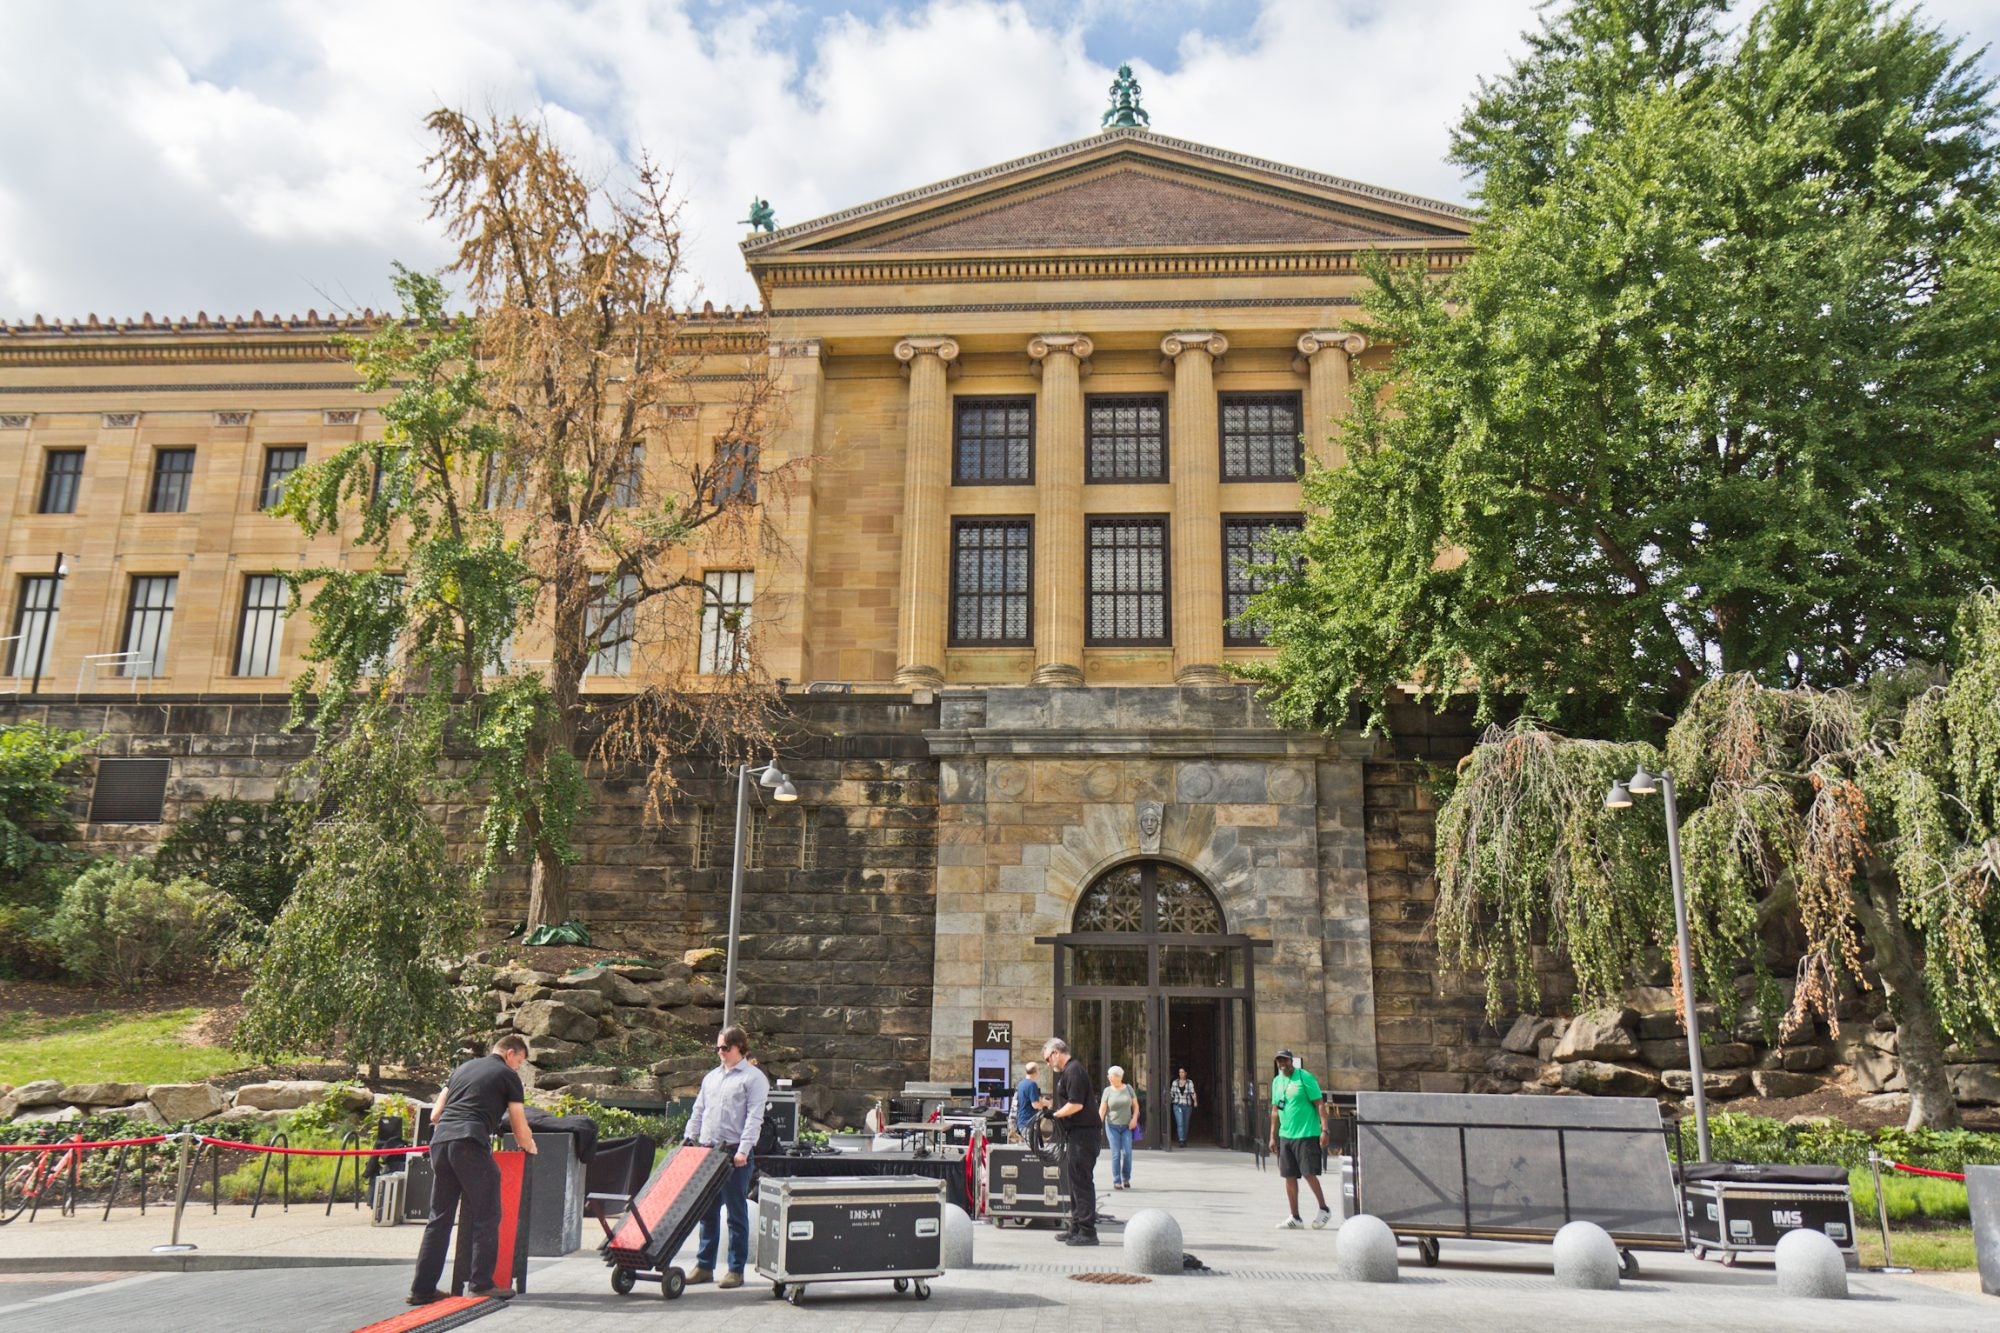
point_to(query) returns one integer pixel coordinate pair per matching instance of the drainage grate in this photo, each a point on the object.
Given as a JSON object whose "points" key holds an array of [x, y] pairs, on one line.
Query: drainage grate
{"points": [[1110, 1279]]}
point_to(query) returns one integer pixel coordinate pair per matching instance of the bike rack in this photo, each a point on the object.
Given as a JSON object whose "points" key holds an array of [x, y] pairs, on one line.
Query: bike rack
{"points": [[350, 1139], [279, 1139]]}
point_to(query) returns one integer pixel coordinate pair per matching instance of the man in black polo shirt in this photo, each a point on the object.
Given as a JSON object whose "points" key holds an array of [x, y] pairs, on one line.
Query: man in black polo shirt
{"points": [[1073, 1111], [480, 1096]]}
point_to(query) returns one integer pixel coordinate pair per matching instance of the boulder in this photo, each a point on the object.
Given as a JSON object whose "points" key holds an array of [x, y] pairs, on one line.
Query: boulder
{"points": [[37, 1092], [707, 992], [1979, 1084], [102, 1094], [638, 973], [1728, 1055], [1801, 1059], [613, 987], [551, 1050], [1585, 1257], [143, 1111], [513, 978], [1519, 1068], [1875, 1072], [247, 1115], [1660, 1027], [286, 1095], [1599, 1034], [1721, 1084], [1777, 1083], [640, 1018], [50, 1115], [1810, 1266], [583, 1001], [705, 960], [1152, 1241], [1545, 1049], [557, 1078], [534, 991], [187, 1101], [1885, 1042], [1608, 1080], [1364, 1250], [668, 993], [1665, 1053], [1886, 1103], [555, 1018], [1526, 1034], [1643, 1000]]}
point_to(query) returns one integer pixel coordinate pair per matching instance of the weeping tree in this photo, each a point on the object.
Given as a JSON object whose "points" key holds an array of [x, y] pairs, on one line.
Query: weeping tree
{"points": [[538, 508], [1858, 829]]}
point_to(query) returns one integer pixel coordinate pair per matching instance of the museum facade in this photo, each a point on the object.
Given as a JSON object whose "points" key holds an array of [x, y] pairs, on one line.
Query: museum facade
{"points": [[1047, 418]]}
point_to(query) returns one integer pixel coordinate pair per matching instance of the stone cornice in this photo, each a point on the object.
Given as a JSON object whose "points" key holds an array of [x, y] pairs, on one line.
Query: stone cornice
{"points": [[819, 270], [1221, 742]]}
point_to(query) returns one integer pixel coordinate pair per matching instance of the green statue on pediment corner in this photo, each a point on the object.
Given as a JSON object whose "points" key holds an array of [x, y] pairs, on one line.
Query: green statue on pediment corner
{"points": [[1125, 110], [761, 217]]}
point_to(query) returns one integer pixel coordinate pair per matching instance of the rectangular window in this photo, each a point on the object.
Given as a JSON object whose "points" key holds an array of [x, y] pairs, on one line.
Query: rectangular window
{"points": [[1125, 438], [735, 472], [35, 623], [389, 592], [630, 483], [993, 441], [129, 791], [607, 628], [173, 470], [390, 466], [1248, 542], [149, 623], [62, 470], [262, 630], [725, 621], [809, 837], [707, 836], [1126, 582], [1260, 437], [279, 465], [992, 571], [504, 488], [754, 837]]}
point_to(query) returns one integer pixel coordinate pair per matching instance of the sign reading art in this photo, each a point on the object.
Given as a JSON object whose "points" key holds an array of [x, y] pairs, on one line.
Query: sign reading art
{"points": [[992, 1057]]}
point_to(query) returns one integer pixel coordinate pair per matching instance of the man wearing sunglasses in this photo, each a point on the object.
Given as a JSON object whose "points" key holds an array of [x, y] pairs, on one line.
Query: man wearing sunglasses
{"points": [[728, 1115]]}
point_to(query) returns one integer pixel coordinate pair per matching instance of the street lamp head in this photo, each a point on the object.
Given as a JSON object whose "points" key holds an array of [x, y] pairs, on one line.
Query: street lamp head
{"points": [[770, 775], [1618, 798], [785, 790], [1642, 783]]}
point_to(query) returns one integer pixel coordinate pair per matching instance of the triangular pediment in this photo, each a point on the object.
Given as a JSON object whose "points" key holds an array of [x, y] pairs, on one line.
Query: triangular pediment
{"points": [[1125, 190]]}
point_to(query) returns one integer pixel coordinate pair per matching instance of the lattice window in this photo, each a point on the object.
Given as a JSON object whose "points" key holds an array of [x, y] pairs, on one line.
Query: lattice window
{"points": [[279, 465], [35, 623], [173, 474], [1260, 437], [809, 837], [261, 630], [1127, 581], [1246, 544], [707, 836], [1122, 898], [62, 472], [992, 575], [993, 441], [1125, 438], [1183, 904]]}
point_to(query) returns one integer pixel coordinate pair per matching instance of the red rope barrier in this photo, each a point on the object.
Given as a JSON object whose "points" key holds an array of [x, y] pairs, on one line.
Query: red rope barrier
{"points": [[311, 1152], [1907, 1169], [65, 1145]]}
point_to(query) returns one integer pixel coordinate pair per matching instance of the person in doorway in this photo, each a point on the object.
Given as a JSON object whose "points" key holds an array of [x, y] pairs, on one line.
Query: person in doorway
{"points": [[728, 1115], [1118, 1108], [476, 1100], [1073, 1112], [1298, 1136], [1181, 1095], [1025, 1098]]}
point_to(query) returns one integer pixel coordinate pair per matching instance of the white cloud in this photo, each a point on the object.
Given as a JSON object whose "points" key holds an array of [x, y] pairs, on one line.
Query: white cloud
{"points": [[202, 155]]}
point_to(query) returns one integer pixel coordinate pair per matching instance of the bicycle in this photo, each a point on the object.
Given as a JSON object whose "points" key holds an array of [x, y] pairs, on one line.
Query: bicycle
{"points": [[32, 1178]]}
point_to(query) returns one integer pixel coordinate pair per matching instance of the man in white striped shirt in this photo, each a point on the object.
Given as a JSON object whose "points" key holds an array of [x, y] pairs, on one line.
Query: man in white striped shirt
{"points": [[728, 1115]]}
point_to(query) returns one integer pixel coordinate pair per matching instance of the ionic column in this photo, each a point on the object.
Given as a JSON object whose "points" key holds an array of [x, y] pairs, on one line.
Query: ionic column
{"points": [[1061, 360], [1197, 523], [1329, 356], [920, 620]]}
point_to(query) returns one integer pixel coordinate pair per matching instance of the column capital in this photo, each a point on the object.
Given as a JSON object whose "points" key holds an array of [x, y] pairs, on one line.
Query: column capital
{"points": [[1076, 344], [909, 349], [1314, 341], [1198, 341]]}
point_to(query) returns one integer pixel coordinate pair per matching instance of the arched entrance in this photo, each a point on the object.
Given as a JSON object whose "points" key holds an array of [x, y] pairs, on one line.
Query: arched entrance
{"points": [[1150, 978]]}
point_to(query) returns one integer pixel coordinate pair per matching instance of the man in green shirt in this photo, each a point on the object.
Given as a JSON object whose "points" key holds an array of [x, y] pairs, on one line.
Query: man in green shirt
{"points": [[1298, 1136]]}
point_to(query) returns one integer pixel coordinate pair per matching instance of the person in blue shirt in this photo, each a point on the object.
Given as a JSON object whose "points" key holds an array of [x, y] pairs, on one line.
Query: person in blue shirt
{"points": [[1025, 1098]]}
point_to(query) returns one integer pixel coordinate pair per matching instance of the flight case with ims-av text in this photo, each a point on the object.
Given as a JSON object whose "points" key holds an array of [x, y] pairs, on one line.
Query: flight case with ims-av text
{"points": [[1022, 1189], [848, 1229], [1734, 1209]]}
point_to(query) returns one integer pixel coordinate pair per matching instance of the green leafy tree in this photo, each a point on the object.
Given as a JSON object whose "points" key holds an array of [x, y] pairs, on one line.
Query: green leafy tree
{"points": [[243, 848], [1716, 392], [34, 813], [534, 500]]}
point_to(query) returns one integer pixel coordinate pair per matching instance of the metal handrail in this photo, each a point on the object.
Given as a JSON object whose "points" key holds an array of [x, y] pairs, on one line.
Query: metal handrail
{"points": [[97, 660]]}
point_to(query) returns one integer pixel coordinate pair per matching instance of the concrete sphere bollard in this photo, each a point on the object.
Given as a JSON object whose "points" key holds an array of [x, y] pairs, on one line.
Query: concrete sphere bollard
{"points": [[1364, 1250], [1152, 1242], [1810, 1265], [958, 1233], [1586, 1258]]}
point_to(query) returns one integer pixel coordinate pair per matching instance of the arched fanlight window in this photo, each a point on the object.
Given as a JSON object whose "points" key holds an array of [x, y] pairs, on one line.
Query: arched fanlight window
{"points": [[1122, 899]]}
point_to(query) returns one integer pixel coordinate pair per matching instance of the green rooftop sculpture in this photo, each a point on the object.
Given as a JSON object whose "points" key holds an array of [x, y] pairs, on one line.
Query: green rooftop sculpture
{"points": [[761, 217], [1125, 109]]}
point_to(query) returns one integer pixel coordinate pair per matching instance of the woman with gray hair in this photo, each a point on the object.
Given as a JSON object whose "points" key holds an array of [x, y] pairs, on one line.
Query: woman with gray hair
{"points": [[1119, 1109]]}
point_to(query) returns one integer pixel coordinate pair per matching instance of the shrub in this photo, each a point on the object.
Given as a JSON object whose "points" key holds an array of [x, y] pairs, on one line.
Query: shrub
{"points": [[34, 818], [26, 952], [616, 1123], [243, 848], [118, 924]]}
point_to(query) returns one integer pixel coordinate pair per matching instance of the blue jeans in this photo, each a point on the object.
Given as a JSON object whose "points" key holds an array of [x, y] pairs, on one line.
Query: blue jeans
{"points": [[736, 1199], [1121, 1153], [1182, 1114]]}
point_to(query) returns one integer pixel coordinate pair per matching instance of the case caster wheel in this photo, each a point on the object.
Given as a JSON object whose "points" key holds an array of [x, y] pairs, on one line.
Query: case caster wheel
{"points": [[1699, 1252], [1729, 1258], [1427, 1250], [902, 1285], [793, 1294], [923, 1290], [672, 1283], [621, 1281], [777, 1291], [1628, 1264]]}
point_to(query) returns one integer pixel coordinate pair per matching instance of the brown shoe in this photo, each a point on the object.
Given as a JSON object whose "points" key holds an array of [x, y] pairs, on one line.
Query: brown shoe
{"points": [[730, 1279], [700, 1275], [494, 1293], [431, 1297]]}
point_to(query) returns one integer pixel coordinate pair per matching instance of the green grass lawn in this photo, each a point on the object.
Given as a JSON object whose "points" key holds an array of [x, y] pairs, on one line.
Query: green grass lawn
{"points": [[1929, 1250], [109, 1047]]}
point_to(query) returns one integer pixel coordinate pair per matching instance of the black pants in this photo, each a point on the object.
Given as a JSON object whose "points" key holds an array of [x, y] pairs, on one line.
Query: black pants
{"points": [[461, 1168], [1079, 1164]]}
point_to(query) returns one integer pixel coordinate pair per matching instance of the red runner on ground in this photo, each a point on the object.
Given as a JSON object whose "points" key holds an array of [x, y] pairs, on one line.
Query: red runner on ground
{"points": [[447, 1313]]}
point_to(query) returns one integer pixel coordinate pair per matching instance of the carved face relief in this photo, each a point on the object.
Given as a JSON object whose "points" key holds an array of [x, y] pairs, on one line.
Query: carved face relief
{"points": [[1151, 817]]}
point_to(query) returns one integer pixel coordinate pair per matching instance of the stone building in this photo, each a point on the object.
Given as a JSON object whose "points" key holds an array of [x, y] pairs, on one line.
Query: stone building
{"points": [[1050, 411]]}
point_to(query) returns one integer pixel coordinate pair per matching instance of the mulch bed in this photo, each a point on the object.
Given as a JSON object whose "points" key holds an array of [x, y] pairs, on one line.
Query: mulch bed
{"points": [[54, 999]]}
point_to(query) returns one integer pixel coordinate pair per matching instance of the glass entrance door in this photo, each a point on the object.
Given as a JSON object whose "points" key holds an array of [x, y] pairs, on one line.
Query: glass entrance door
{"points": [[1104, 1032]]}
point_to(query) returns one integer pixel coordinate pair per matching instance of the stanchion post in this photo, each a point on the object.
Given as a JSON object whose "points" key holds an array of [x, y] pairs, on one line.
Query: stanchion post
{"points": [[181, 1182], [1882, 1214]]}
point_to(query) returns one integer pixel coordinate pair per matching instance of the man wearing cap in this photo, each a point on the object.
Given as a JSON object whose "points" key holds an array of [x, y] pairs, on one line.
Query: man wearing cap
{"points": [[1298, 1136]]}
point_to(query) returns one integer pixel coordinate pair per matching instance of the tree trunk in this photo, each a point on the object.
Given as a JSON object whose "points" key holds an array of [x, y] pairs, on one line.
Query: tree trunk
{"points": [[548, 898], [1919, 1036]]}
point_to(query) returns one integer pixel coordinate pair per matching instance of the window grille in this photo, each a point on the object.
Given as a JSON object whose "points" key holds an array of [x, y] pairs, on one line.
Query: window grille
{"points": [[279, 465], [1125, 438], [725, 621], [992, 561], [1248, 542], [608, 629], [1260, 437], [809, 838], [149, 624], [62, 470], [129, 791], [1127, 581], [262, 630], [35, 623], [707, 836], [993, 441], [173, 473]]}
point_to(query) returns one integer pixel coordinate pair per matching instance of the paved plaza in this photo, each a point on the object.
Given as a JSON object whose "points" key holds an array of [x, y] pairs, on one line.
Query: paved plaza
{"points": [[1263, 1278]]}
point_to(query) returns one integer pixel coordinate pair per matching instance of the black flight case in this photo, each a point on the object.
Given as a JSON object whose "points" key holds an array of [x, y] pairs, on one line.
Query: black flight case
{"points": [[849, 1229], [658, 1219], [1022, 1189], [1734, 1209]]}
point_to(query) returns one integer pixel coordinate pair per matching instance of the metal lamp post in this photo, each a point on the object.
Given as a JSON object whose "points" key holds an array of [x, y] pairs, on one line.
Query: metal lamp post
{"points": [[773, 778], [1620, 797], [42, 647]]}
